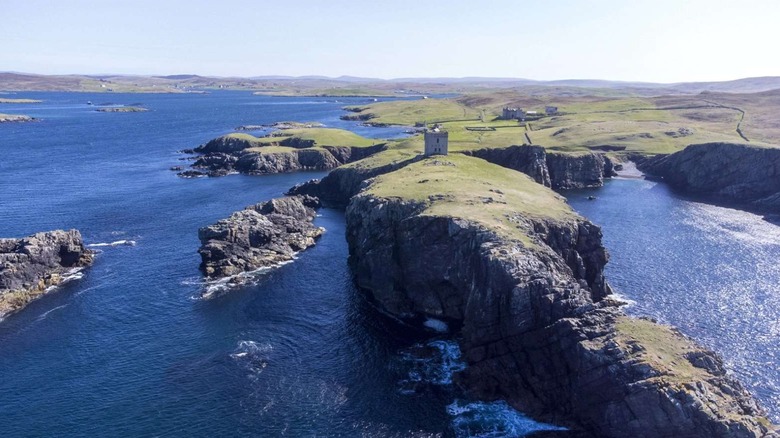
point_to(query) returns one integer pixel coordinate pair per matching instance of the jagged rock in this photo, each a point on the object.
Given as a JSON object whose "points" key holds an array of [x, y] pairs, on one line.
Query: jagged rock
{"points": [[260, 236], [30, 266], [228, 154], [556, 170], [736, 173]]}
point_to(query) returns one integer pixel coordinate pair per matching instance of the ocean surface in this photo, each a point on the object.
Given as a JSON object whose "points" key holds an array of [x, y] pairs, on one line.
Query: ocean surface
{"points": [[129, 349], [711, 271]]}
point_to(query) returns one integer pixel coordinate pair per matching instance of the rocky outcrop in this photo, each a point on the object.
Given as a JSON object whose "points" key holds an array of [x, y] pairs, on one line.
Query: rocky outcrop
{"points": [[227, 154], [736, 173], [537, 325], [15, 118], [551, 169], [31, 266], [260, 236]]}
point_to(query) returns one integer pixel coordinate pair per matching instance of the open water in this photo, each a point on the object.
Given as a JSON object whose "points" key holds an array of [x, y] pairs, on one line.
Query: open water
{"points": [[128, 349], [711, 271]]}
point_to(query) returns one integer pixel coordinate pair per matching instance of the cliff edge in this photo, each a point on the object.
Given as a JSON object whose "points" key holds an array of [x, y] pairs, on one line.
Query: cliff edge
{"points": [[746, 175]]}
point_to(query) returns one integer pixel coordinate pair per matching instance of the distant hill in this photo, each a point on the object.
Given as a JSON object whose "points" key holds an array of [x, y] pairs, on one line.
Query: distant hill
{"points": [[344, 85]]}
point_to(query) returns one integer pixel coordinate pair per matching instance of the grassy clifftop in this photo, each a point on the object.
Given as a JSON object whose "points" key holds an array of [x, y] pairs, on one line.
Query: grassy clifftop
{"points": [[471, 189]]}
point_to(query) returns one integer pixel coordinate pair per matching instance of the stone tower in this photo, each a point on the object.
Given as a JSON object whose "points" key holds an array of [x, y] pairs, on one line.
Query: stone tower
{"points": [[436, 142]]}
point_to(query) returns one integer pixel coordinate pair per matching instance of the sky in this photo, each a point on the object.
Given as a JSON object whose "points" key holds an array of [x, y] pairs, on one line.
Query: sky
{"points": [[651, 41]]}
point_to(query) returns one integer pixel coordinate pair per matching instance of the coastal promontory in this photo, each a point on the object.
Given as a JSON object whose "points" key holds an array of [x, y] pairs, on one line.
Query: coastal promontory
{"points": [[31, 266], [519, 277]]}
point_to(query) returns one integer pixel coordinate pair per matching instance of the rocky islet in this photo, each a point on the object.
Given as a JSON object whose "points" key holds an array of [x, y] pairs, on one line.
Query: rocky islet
{"points": [[32, 265]]}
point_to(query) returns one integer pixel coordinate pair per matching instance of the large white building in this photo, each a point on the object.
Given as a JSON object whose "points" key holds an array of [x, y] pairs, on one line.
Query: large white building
{"points": [[436, 142]]}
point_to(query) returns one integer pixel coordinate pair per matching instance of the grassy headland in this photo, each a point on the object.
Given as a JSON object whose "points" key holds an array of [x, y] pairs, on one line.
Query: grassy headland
{"points": [[471, 189]]}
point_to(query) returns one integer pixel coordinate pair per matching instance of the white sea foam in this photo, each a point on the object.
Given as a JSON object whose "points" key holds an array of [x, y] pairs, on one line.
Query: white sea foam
{"points": [[434, 363], [215, 288], [494, 419], [252, 356], [115, 243], [70, 275], [45, 314]]}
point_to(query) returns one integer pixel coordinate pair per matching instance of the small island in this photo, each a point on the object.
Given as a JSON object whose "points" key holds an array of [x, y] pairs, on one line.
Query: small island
{"points": [[11, 118], [122, 109], [7, 100], [32, 266]]}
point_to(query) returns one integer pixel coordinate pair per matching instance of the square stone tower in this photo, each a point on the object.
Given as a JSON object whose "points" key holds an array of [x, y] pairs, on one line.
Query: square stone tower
{"points": [[436, 142]]}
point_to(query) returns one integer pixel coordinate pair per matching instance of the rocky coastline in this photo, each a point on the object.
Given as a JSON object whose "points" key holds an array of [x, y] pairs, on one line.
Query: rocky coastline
{"points": [[264, 235], [537, 324], [229, 154], [559, 171], [523, 290], [31, 266], [738, 174], [534, 315]]}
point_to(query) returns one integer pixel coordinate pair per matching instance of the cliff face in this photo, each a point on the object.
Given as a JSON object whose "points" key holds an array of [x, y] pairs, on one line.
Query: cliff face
{"points": [[732, 172], [556, 170], [538, 327], [260, 236], [227, 154], [31, 265]]}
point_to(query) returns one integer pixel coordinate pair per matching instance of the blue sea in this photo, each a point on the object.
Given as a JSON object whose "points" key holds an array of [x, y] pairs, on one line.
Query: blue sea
{"points": [[711, 271], [130, 350]]}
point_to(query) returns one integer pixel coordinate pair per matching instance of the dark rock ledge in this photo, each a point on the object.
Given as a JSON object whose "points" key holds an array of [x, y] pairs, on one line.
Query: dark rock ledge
{"points": [[31, 266], [741, 175], [261, 236]]}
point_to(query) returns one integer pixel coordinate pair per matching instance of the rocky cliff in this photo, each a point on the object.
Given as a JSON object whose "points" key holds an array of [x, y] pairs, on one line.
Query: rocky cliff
{"points": [[509, 264], [260, 236], [738, 173], [30, 266], [551, 169], [229, 154]]}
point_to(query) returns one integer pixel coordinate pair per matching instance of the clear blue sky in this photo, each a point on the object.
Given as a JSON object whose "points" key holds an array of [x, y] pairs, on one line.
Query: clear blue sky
{"points": [[658, 41]]}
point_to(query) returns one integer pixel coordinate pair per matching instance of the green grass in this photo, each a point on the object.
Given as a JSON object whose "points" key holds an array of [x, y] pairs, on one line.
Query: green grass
{"points": [[326, 92], [474, 190], [320, 136], [662, 348], [272, 149], [409, 112], [643, 125]]}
